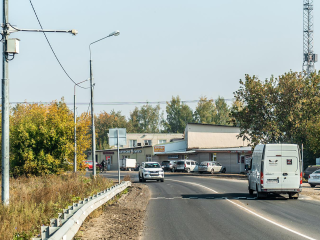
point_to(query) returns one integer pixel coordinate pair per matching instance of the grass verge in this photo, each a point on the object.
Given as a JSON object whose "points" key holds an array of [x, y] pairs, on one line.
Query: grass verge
{"points": [[35, 200]]}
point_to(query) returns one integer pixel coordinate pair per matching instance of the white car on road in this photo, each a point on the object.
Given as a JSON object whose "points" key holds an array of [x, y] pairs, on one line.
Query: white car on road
{"points": [[314, 178], [151, 171]]}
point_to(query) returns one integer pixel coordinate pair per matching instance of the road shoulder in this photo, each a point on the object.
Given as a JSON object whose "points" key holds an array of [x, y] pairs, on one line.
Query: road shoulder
{"points": [[122, 220]]}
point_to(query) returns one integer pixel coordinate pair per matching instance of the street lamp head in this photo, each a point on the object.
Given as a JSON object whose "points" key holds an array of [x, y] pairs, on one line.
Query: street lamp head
{"points": [[74, 32], [115, 33]]}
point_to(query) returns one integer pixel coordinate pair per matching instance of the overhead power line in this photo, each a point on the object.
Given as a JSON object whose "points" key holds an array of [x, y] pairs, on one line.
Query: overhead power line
{"points": [[122, 103], [53, 50]]}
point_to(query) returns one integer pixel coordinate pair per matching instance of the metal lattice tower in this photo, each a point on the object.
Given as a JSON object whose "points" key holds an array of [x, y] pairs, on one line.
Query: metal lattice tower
{"points": [[309, 58]]}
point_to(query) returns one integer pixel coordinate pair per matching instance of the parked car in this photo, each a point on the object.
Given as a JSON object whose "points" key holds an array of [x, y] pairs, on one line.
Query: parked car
{"points": [[310, 169], [211, 167], [89, 166], [314, 178], [169, 165], [187, 166], [150, 171]]}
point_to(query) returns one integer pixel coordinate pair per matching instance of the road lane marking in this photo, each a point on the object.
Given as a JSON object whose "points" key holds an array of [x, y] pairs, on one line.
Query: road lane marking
{"points": [[196, 184], [270, 221], [249, 211]]}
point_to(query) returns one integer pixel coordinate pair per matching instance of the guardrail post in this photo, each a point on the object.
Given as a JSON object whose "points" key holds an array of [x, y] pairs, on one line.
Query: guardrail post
{"points": [[44, 232]]}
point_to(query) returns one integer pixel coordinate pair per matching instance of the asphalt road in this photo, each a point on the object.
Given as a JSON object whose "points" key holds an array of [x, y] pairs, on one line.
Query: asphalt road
{"points": [[189, 207]]}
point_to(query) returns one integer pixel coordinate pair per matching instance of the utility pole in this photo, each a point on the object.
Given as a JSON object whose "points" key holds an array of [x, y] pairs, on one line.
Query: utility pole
{"points": [[75, 127], [5, 108], [10, 47], [93, 136], [309, 58]]}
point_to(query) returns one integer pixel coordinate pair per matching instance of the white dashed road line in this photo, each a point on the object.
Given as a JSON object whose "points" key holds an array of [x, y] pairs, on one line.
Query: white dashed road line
{"points": [[248, 210]]}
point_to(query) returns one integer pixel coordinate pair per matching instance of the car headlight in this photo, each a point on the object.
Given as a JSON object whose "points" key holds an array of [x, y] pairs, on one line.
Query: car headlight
{"points": [[146, 172]]}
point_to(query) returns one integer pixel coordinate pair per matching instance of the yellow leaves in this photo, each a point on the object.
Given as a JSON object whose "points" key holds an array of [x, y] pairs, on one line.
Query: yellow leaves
{"points": [[42, 138]]}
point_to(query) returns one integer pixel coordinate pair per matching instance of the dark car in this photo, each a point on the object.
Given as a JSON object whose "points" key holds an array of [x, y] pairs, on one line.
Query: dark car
{"points": [[169, 165], [310, 169]]}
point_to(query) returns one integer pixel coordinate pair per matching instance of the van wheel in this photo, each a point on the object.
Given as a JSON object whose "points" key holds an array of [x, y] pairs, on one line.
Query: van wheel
{"points": [[224, 170], [162, 179], [293, 195], [188, 170], [261, 195], [250, 190], [312, 185], [172, 170], [212, 171]]}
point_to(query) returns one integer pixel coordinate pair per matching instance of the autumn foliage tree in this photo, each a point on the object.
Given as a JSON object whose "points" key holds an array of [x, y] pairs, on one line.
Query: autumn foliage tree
{"points": [[42, 138]]}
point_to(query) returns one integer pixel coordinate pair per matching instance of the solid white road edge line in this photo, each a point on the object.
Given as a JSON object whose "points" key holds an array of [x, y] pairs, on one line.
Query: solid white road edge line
{"points": [[270, 221], [246, 209]]}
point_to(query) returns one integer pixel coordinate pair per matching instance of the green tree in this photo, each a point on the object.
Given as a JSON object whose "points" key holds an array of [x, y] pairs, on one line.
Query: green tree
{"points": [[150, 119], [104, 121], [133, 125], [205, 111], [222, 116], [178, 116], [284, 109]]}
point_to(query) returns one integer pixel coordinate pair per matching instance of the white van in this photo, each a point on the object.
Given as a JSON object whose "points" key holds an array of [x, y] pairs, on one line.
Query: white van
{"points": [[275, 168]]}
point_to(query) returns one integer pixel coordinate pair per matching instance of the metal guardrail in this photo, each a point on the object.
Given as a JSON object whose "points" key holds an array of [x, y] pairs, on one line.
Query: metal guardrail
{"points": [[68, 223]]}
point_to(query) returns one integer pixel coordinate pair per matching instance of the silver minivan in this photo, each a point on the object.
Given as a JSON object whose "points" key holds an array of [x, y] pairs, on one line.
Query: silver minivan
{"points": [[211, 167], [187, 166]]}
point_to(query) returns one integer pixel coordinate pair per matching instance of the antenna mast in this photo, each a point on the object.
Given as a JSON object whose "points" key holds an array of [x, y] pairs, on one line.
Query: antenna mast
{"points": [[309, 58]]}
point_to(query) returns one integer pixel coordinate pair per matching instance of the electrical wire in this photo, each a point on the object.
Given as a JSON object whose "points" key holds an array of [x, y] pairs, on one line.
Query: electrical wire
{"points": [[53, 50], [121, 103]]}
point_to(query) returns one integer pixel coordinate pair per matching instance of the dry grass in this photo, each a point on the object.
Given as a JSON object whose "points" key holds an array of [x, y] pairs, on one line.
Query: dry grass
{"points": [[34, 201]]}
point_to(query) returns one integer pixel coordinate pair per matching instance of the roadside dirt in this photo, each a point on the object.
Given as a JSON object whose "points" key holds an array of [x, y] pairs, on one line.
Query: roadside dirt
{"points": [[314, 193], [122, 220]]}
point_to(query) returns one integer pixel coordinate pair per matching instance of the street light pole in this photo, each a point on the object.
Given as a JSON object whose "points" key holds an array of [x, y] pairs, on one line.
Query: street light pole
{"points": [[75, 127], [5, 109], [93, 149], [5, 153]]}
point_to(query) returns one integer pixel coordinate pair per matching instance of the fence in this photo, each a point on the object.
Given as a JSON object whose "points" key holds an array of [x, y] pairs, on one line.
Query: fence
{"points": [[68, 223]]}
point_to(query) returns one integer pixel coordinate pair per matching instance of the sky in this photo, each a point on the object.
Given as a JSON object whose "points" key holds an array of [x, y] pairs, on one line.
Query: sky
{"points": [[165, 48]]}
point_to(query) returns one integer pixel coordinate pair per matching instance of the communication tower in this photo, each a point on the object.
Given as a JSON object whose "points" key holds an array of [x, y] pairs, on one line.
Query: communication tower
{"points": [[309, 58]]}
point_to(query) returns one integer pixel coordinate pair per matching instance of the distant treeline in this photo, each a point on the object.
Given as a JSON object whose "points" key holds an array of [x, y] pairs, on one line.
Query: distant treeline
{"points": [[149, 119]]}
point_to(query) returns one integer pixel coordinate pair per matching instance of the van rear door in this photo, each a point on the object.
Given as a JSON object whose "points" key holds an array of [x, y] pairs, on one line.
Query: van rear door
{"points": [[272, 172], [281, 168], [290, 172]]}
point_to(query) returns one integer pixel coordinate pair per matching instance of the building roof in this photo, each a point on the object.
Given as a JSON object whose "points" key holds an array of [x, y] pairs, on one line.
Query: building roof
{"points": [[207, 124]]}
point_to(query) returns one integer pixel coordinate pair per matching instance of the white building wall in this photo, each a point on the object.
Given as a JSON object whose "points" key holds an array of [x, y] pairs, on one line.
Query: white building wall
{"points": [[211, 136], [153, 137]]}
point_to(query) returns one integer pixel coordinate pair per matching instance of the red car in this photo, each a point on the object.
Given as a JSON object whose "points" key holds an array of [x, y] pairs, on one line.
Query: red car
{"points": [[89, 166]]}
